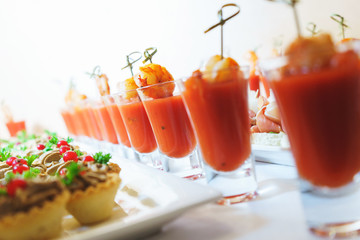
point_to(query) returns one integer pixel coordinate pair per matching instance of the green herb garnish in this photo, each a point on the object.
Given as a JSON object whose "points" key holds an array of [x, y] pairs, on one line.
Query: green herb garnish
{"points": [[9, 176], [22, 136], [53, 141], [30, 159], [73, 170], [69, 139], [4, 154], [10, 146], [52, 134], [102, 158], [32, 173], [23, 148], [3, 191], [78, 152]]}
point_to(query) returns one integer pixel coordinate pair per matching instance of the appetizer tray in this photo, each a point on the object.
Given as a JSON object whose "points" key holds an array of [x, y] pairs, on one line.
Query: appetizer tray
{"points": [[273, 154], [148, 198]]}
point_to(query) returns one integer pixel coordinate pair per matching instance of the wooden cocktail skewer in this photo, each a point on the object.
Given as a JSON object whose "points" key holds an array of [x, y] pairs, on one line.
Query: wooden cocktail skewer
{"points": [[148, 56], [341, 20], [312, 28], [223, 21], [131, 61]]}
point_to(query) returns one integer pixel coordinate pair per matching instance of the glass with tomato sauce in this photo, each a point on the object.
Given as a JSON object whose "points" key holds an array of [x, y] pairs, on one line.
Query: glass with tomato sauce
{"points": [[15, 126], [172, 129], [69, 121], [104, 122], [219, 113], [320, 107], [119, 126], [138, 127]]}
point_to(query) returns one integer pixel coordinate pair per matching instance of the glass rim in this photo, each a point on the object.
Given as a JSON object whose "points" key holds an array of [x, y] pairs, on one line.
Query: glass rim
{"points": [[156, 84], [197, 71], [122, 92]]}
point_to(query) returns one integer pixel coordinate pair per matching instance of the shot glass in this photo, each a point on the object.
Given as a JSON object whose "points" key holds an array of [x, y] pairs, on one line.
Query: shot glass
{"points": [[80, 124], [119, 126], [172, 129], [218, 111], [68, 120], [105, 124], [138, 127], [15, 126], [321, 111]]}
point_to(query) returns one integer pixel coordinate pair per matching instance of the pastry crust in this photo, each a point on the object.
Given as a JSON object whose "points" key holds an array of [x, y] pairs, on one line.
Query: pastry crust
{"points": [[39, 223], [95, 204]]}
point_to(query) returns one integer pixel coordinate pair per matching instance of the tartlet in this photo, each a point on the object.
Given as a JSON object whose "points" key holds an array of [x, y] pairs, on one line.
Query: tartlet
{"points": [[34, 211], [93, 190]]}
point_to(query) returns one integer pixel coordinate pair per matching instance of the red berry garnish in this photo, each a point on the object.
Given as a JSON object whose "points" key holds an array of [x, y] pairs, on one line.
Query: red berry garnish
{"points": [[88, 158], [10, 160], [17, 161], [41, 147], [82, 173], [62, 143], [70, 155], [64, 149], [14, 185], [20, 168], [63, 172]]}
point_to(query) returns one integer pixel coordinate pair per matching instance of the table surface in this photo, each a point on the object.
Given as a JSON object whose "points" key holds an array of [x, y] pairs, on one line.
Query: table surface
{"points": [[275, 214]]}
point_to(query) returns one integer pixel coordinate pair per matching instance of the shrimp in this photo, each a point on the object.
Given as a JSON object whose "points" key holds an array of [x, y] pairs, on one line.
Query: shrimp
{"points": [[153, 74], [309, 54], [225, 69], [73, 96], [102, 82], [130, 85]]}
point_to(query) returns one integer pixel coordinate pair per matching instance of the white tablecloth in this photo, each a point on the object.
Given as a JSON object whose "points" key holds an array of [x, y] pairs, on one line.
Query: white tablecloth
{"points": [[275, 214]]}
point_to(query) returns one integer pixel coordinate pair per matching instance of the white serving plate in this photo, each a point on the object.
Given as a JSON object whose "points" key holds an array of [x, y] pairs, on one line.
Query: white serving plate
{"points": [[149, 199], [273, 154]]}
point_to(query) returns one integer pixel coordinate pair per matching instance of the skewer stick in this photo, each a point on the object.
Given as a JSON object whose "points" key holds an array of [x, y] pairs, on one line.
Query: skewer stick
{"points": [[148, 56], [130, 61], [222, 22]]}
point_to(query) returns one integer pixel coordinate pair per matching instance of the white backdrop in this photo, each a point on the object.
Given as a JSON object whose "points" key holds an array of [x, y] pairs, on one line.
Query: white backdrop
{"points": [[45, 43]]}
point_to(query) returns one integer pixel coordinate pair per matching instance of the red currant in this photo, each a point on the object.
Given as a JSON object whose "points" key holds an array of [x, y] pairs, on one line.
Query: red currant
{"points": [[14, 185], [41, 147], [18, 161], [10, 160], [62, 143], [64, 149], [70, 155], [88, 158], [63, 172], [20, 168]]}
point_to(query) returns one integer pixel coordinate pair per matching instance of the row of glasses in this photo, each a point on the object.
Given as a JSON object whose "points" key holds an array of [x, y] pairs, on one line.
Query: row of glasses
{"points": [[167, 124]]}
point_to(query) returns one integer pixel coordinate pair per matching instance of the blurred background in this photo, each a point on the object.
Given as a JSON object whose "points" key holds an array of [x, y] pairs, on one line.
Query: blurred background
{"points": [[44, 44]]}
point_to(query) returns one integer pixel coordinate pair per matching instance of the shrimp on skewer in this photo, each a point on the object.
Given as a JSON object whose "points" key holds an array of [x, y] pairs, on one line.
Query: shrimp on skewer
{"points": [[102, 81]]}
